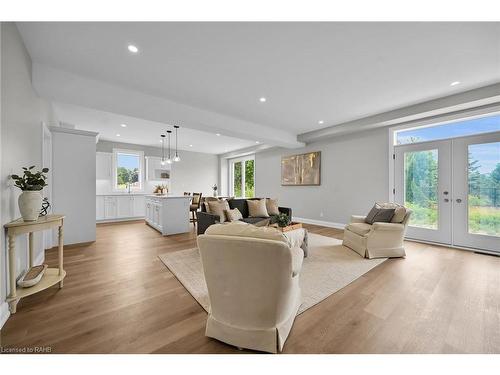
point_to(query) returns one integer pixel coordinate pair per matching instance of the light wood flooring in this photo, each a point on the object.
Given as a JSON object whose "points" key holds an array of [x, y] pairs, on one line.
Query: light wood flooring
{"points": [[118, 297]]}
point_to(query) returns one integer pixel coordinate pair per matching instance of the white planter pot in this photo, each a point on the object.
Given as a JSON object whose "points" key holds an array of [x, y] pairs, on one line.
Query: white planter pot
{"points": [[30, 204]]}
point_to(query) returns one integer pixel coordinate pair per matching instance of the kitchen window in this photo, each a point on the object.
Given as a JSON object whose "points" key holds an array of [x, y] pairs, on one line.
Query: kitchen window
{"points": [[128, 170]]}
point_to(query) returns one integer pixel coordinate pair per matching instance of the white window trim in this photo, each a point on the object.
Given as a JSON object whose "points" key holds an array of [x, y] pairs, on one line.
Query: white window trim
{"points": [[231, 174], [117, 151]]}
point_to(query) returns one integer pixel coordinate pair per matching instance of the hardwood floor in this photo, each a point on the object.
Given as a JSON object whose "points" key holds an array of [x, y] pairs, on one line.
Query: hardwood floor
{"points": [[118, 297]]}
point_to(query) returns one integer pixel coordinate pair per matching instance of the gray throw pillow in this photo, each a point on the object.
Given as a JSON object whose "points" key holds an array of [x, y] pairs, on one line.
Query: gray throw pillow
{"points": [[380, 215]]}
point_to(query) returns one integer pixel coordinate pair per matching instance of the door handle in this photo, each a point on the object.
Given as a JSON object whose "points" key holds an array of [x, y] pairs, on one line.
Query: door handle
{"points": [[459, 200], [445, 192], [446, 200]]}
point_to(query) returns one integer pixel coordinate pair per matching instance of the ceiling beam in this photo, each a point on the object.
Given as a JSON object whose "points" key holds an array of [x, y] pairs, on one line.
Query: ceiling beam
{"points": [[483, 96], [58, 85]]}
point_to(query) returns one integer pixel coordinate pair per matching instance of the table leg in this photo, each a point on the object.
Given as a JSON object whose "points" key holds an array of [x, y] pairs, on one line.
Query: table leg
{"points": [[30, 245], [60, 253], [12, 274]]}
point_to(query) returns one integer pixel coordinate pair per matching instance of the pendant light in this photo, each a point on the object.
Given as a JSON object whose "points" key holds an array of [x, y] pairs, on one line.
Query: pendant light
{"points": [[176, 157], [163, 149], [169, 161]]}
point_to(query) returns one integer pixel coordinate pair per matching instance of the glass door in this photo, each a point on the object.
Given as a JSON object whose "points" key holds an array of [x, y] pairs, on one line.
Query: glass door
{"points": [[242, 181], [423, 184], [476, 199]]}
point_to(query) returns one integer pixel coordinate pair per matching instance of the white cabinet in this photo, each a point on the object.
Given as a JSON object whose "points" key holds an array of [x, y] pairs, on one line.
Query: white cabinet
{"points": [[125, 206], [103, 166], [99, 208], [110, 211], [138, 205], [169, 215], [119, 207]]}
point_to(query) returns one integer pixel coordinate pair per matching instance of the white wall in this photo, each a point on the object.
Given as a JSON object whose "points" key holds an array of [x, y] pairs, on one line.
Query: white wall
{"points": [[354, 174], [21, 137], [74, 190], [196, 172]]}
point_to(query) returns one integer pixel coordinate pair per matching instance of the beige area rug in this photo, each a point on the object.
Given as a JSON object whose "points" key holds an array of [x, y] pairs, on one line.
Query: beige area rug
{"points": [[328, 268]]}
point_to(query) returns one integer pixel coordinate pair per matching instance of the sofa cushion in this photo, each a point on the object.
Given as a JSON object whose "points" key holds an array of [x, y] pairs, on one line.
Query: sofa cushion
{"points": [[246, 230], [257, 208], [359, 228], [218, 208], [378, 214], [256, 220], [233, 215], [272, 206]]}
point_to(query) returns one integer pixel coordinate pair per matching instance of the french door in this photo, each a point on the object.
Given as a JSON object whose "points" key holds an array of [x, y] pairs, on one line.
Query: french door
{"points": [[476, 183], [453, 188], [423, 184]]}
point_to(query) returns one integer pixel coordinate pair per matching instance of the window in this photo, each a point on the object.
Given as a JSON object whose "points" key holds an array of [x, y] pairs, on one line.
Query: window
{"points": [[449, 130], [128, 168], [242, 177]]}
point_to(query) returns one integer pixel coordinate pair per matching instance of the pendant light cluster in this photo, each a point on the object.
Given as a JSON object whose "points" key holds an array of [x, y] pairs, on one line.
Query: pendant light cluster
{"points": [[168, 159]]}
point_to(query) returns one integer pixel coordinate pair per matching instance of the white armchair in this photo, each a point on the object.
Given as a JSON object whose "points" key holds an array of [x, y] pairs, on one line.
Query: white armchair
{"points": [[377, 240], [252, 277]]}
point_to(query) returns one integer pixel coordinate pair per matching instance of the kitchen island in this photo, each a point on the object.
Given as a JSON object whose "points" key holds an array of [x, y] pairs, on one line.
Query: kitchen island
{"points": [[168, 214]]}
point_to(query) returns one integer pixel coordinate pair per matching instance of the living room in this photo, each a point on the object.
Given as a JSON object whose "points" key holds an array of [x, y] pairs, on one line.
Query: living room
{"points": [[250, 187]]}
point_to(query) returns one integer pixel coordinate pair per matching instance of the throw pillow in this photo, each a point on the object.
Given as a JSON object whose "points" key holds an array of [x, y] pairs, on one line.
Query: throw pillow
{"points": [[399, 213], [257, 208], [272, 206], [233, 215], [381, 215], [218, 208], [209, 199]]}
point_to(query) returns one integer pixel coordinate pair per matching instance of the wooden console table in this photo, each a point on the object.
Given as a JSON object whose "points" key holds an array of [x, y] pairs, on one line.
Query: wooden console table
{"points": [[51, 276]]}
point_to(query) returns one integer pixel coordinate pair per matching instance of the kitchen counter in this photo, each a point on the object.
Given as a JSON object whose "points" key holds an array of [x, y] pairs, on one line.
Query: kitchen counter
{"points": [[168, 214]]}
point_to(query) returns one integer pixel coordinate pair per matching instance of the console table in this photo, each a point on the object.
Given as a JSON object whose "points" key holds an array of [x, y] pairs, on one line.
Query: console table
{"points": [[51, 276]]}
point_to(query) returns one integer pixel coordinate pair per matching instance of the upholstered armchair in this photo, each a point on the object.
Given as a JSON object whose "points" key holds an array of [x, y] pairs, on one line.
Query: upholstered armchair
{"points": [[252, 277], [377, 240]]}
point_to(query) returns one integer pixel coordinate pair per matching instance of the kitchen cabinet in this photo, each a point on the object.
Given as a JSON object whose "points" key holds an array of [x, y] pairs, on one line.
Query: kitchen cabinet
{"points": [[99, 207], [119, 207], [103, 166], [110, 211], [168, 214]]}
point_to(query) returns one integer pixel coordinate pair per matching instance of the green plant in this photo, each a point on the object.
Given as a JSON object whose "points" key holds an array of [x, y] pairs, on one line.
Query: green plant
{"points": [[282, 220], [30, 181]]}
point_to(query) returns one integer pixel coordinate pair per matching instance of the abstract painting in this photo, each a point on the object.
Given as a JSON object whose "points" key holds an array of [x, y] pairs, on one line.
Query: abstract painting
{"points": [[301, 170]]}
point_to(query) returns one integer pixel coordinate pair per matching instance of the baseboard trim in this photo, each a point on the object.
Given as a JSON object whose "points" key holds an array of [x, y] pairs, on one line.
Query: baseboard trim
{"points": [[329, 224], [72, 245], [120, 221], [4, 313]]}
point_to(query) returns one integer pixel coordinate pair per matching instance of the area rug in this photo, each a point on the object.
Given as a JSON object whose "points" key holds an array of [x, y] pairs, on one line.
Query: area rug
{"points": [[328, 268]]}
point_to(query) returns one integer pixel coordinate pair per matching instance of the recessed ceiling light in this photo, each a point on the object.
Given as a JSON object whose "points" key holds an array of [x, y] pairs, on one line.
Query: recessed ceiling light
{"points": [[123, 125], [262, 100], [218, 135], [455, 83], [118, 135], [321, 122], [133, 48], [190, 145]]}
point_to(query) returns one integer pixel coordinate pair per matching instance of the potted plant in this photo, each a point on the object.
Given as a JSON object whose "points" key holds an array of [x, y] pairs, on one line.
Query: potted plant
{"points": [[30, 200], [282, 220]]}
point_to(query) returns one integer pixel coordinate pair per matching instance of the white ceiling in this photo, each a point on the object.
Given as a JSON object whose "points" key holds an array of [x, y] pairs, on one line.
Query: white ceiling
{"points": [[335, 72], [143, 132]]}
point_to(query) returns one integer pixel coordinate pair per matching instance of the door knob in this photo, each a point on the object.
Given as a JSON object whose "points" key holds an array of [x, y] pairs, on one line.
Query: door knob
{"points": [[459, 200]]}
